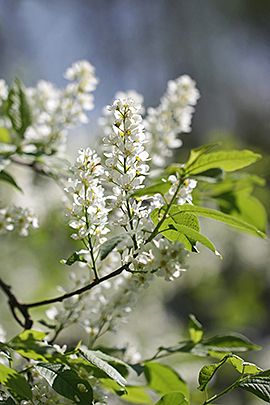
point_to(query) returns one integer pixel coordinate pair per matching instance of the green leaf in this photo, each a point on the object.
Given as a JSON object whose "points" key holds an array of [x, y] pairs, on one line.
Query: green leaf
{"points": [[237, 223], [164, 379], [195, 329], [207, 373], [17, 108], [169, 230], [4, 135], [226, 160], [109, 245], [75, 257], [5, 176], [30, 345], [173, 398], [242, 366], [161, 187], [197, 152], [66, 382], [193, 235], [244, 206], [15, 383], [183, 228], [230, 343], [94, 358], [258, 384], [134, 394]]}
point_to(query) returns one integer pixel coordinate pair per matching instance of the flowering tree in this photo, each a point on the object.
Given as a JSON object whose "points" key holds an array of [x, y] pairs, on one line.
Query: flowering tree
{"points": [[136, 217]]}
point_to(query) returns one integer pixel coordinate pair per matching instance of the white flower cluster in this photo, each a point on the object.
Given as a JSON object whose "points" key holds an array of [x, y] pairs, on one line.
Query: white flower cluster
{"points": [[169, 259], [88, 212], [126, 158], [184, 195], [54, 110], [3, 91], [172, 117], [107, 119], [126, 163], [17, 219]]}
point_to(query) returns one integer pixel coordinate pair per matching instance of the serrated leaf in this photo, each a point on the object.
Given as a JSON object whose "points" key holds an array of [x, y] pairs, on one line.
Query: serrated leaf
{"points": [[225, 160], [195, 329], [5, 176], [92, 357], [164, 379], [30, 345], [17, 108], [66, 382], [183, 228], [109, 245], [207, 372], [258, 384], [15, 383], [237, 223], [173, 398], [242, 366], [75, 257]]}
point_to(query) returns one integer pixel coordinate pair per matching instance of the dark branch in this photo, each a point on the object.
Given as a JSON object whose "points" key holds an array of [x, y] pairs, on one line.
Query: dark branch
{"points": [[14, 305], [79, 291]]}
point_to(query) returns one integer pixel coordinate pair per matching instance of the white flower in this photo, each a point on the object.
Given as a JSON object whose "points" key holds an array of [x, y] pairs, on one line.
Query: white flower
{"points": [[184, 194], [169, 258], [86, 201], [17, 219], [55, 110], [170, 118], [3, 91]]}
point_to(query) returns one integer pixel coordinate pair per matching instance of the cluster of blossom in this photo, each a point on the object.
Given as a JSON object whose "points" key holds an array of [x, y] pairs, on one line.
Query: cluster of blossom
{"points": [[184, 194], [3, 91], [126, 166], [87, 211], [17, 219], [172, 117], [126, 163], [54, 110]]}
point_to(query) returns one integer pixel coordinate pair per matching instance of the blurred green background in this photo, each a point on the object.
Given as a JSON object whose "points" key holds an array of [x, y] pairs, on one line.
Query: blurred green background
{"points": [[225, 47]]}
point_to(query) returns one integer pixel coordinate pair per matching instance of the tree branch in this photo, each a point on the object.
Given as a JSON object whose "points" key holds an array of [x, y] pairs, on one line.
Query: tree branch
{"points": [[14, 305], [79, 291]]}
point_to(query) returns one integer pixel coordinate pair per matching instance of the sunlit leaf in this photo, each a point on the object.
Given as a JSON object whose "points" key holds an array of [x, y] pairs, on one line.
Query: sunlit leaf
{"points": [[94, 358], [15, 383], [226, 160], [164, 379], [173, 398]]}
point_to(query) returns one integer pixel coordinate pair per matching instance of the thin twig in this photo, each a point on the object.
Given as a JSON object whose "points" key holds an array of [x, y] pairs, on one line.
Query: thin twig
{"points": [[14, 305], [79, 291]]}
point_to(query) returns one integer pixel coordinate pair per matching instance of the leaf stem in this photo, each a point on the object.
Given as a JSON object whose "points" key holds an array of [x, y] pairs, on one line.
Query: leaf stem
{"points": [[157, 227]]}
